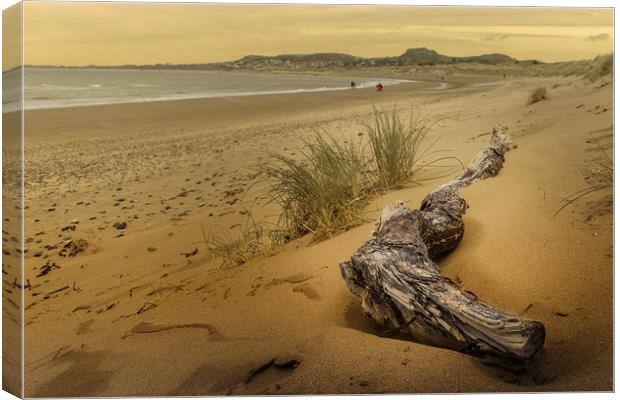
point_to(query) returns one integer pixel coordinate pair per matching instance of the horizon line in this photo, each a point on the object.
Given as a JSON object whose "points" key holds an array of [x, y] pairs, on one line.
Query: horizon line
{"points": [[172, 64]]}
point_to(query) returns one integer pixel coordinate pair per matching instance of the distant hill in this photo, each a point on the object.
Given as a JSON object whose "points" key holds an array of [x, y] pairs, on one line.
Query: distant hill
{"points": [[417, 56], [315, 57], [314, 61], [423, 55]]}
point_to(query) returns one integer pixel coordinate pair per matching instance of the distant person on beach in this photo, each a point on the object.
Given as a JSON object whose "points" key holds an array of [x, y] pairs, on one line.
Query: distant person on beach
{"points": [[379, 87], [353, 85]]}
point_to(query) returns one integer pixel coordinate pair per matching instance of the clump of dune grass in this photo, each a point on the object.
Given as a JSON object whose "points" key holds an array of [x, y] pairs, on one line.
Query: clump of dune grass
{"points": [[321, 193], [326, 189], [539, 94], [602, 175], [249, 241], [396, 144], [601, 66]]}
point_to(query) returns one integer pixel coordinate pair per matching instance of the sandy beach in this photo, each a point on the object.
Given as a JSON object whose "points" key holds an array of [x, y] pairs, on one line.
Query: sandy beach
{"points": [[125, 298]]}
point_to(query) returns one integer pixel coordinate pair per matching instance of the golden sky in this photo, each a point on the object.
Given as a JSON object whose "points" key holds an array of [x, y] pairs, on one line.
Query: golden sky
{"points": [[11, 37], [139, 33]]}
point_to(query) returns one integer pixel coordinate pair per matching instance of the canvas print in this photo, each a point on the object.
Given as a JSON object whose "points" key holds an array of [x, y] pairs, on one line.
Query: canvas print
{"points": [[206, 199]]}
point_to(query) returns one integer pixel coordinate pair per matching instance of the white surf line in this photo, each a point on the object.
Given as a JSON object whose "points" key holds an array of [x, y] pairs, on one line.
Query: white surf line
{"points": [[86, 102]]}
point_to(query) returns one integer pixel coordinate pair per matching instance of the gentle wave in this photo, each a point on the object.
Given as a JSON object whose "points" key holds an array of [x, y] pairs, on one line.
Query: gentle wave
{"points": [[47, 86], [36, 104], [61, 88]]}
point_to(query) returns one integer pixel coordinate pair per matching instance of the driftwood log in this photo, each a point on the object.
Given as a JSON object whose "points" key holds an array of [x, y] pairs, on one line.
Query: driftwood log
{"points": [[402, 288]]}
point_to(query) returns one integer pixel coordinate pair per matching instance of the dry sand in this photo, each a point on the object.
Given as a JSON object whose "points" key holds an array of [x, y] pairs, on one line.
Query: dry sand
{"points": [[133, 315]]}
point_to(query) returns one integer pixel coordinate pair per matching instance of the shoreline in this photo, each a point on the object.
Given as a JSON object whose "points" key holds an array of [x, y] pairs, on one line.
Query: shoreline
{"points": [[391, 80], [213, 113], [218, 95]]}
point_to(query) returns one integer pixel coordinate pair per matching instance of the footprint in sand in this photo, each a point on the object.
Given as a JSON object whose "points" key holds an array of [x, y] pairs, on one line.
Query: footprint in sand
{"points": [[307, 291], [286, 363], [293, 279], [147, 327], [296, 278], [262, 377], [84, 327], [85, 376]]}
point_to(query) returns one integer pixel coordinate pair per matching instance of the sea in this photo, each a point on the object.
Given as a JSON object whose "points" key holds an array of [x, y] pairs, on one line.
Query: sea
{"points": [[70, 87]]}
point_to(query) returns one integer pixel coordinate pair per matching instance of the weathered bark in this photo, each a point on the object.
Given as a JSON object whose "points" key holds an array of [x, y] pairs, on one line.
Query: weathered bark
{"points": [[402, 288]]}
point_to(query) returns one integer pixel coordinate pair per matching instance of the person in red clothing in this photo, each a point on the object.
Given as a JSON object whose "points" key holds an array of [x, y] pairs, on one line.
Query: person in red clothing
{"points": [[379, 86]]}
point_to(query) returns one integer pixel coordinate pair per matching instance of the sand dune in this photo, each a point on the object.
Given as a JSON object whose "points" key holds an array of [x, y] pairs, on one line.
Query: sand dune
{"points": [[125, 298]]}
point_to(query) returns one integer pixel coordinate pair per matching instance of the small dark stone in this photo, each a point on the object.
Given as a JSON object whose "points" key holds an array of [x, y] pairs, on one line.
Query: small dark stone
{"points": [[286, 362], [120, 225]]}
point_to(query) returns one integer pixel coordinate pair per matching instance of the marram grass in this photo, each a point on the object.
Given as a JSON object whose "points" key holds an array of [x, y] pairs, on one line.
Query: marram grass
{"points": [[252, 240], [396, 147], [326, 187], [538, 94], [326, 190], [322, 192]]}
